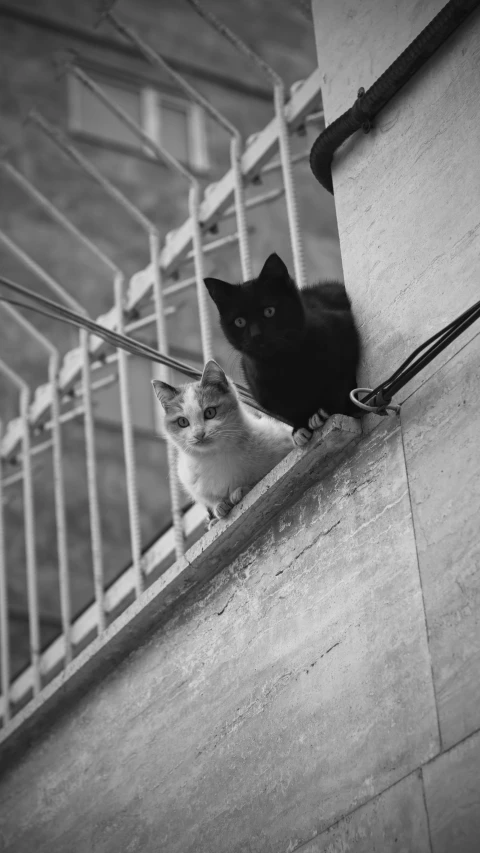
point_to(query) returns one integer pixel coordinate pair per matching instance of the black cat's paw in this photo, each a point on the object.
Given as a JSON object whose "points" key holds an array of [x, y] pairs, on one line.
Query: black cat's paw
{"points": [[301, 436], [318, 419]]}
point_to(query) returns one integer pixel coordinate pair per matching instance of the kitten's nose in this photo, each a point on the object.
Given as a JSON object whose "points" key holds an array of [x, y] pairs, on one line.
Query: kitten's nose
{"points": [[254, 330], [199, 434]]}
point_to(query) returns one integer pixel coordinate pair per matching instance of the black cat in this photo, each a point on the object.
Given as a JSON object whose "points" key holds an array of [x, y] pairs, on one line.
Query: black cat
{"points": [[300, 348]]}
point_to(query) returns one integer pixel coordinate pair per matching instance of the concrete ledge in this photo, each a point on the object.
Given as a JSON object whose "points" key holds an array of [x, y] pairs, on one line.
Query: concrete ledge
{"points": [[206, 558]]}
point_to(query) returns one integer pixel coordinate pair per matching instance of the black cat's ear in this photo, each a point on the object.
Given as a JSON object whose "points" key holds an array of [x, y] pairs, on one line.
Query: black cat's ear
{"points": [[274, 268], [219, 290], [214, 375], [165, 393]]}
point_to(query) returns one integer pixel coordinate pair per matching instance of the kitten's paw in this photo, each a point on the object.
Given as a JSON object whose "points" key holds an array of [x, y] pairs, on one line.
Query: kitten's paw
{"points": [[236, 496], [318, 419], [302, 436], [211, 523], [222, 509]]}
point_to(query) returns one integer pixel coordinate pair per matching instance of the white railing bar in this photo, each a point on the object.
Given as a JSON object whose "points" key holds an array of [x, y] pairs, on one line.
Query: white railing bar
{"points": [[94, 511], [257, 201], [58, 477], [277, 164], [4, 626], [92, 483], [42, 274], [29, 521], [56, 214], [148, 320], [164, 372], [255, 156], [127, 430], [283, 135], [127, 425], [115, 595], [193, 199], [236, 137]]}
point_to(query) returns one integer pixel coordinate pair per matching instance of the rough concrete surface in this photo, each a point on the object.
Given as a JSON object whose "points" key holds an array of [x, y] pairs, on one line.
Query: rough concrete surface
{"points": [[452, 787], [441, 425], [394, 822], [297, 687]]}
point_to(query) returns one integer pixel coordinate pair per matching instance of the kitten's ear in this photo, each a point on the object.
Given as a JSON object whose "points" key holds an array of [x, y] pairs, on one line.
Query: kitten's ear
{"points": [[214, 375], [219, 290], [165, 393], [274, 268]]}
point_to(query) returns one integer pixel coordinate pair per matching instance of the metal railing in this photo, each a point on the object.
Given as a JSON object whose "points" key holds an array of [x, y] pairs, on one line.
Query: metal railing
{"points": [[73, 379]]}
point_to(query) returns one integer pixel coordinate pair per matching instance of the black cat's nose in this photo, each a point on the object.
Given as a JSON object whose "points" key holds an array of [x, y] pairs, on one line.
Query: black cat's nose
{"points": [[254, 330]]}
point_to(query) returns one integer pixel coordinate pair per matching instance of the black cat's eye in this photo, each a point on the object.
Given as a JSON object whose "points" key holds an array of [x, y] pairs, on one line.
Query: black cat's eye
{"points": [[183, 422], [240, 322], [269, 312], [209, 413]]}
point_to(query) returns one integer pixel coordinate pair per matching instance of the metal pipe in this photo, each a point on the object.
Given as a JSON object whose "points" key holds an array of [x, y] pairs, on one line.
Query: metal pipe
{"points": [[283, 136], [29, 521], [4, 628]]}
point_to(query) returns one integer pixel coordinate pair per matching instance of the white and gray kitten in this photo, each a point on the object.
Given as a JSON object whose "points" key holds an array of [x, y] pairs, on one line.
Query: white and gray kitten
{"points": [[223, 448]]}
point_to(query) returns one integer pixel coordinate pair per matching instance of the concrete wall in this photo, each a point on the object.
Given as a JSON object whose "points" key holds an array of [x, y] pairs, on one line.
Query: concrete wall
{"points": [[322, 692]]}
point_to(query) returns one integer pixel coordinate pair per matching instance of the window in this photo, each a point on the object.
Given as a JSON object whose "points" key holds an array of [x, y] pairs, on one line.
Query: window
{"points": [[176, 124]]}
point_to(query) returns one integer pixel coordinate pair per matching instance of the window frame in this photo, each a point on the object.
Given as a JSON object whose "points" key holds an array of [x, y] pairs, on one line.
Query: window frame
{"points": [[151, 98]]}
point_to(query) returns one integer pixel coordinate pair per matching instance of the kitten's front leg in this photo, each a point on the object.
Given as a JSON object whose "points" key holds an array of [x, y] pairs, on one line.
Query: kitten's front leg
{"points": [[237, 495]]}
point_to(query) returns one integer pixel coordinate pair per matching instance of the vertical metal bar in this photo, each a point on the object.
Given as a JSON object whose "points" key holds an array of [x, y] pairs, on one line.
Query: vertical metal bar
{"points": [[58, 482], [127, 430], [59, 139], [60, 515], [194, 198], [93, 503], [28, 505], [162, 342], [4, 627], [283, 137], [29, 524], [236, 138], [202, 297]]}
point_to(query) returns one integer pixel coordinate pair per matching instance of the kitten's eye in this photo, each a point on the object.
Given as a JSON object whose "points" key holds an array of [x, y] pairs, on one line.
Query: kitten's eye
{"points": [[269, 312], [209, 413], [183, 422], [240, 322]]}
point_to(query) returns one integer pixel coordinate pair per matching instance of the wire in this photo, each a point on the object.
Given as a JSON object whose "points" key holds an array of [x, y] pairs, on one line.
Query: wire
{"points": [[379, 397], [55, 311]]}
